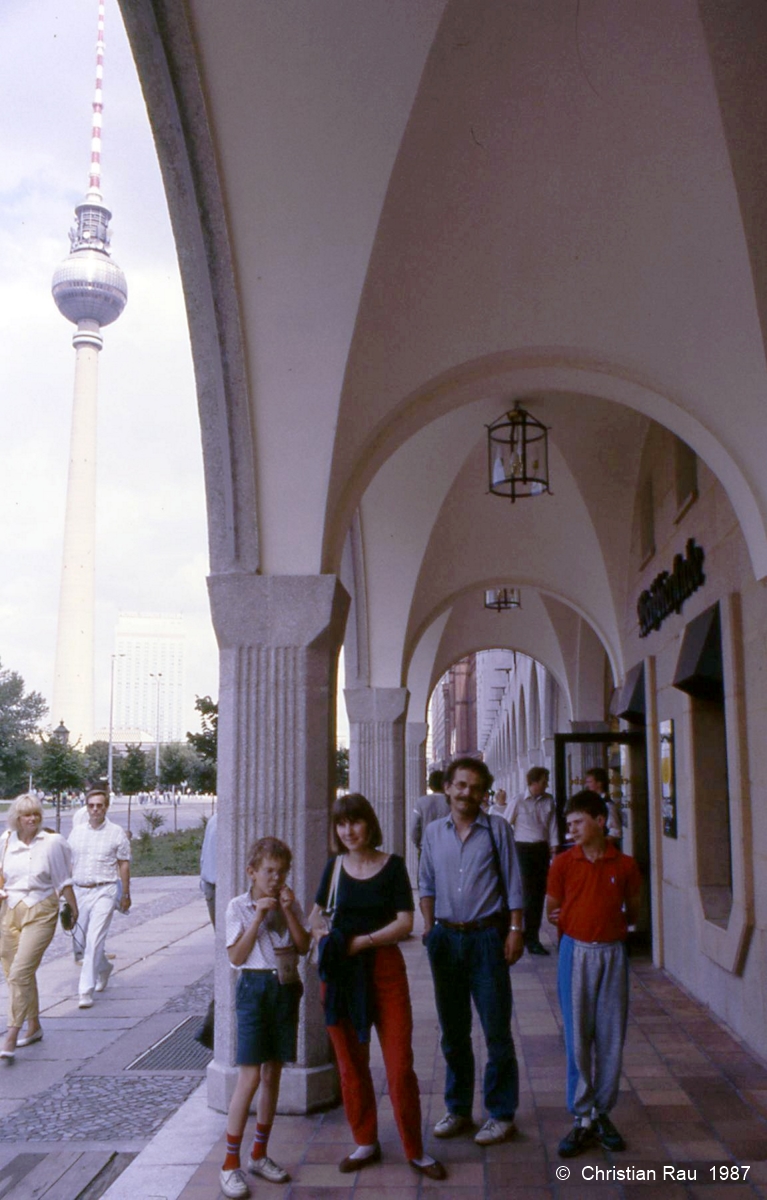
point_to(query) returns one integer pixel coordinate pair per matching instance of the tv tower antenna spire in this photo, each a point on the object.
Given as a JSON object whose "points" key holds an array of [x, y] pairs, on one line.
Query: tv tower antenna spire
{"points": [[90, 291]]}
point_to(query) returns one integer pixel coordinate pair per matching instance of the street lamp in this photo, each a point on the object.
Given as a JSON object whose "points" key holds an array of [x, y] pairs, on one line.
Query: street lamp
{"points": [[157, 676], [61, 735], [110, 756]]}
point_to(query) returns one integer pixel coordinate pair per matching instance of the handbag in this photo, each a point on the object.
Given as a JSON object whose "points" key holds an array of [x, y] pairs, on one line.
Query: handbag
{"points": [[66, 917], [329, 911]]}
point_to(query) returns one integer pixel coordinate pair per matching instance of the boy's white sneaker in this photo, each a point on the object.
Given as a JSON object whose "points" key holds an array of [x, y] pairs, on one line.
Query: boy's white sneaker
{"points": [[268, 1169], [233, 1183]]}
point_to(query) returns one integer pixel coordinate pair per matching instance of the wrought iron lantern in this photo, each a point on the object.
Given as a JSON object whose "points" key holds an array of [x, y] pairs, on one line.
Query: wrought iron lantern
{"points": [[518, 455], [502, 599]]}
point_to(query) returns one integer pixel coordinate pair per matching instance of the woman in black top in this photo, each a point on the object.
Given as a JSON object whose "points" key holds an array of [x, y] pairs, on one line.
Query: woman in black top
{"points": [[365, 982]]}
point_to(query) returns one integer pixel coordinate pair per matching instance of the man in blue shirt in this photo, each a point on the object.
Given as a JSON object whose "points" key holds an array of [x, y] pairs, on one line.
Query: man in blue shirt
{"points": [[471, 900]]}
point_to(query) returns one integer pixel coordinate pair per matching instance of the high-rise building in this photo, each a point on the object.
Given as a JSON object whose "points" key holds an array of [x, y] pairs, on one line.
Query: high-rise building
{"points": [[89, 290], [149, 677]]}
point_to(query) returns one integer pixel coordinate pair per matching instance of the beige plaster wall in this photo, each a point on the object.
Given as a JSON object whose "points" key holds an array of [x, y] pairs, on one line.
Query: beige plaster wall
{"points": [[739, 995]]}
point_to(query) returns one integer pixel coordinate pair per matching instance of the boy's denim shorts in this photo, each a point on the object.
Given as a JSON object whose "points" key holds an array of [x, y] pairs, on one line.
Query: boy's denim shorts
{"points": [[267, 1018]]}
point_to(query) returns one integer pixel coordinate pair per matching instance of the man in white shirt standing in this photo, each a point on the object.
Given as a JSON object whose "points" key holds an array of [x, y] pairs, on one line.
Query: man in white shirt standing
{"points": [[534, 820], [101, 855]]}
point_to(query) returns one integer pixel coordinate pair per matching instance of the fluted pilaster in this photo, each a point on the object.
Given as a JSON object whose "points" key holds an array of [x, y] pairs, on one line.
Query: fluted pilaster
{"points": [[415, 783], [279, 638], [377, 756]]}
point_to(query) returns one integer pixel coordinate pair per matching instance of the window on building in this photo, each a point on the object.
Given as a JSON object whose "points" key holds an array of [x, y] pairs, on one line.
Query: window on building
{"points": [[646, 522], [700, 673], [685, 477]]}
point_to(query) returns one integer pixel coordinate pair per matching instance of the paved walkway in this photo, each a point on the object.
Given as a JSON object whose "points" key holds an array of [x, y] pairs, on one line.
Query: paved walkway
{"points": [[73, 1117]]}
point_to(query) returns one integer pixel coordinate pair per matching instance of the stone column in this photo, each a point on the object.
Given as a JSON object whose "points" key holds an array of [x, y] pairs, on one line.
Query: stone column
{"points": [[377, 756], [415, 784], [279, 638]]}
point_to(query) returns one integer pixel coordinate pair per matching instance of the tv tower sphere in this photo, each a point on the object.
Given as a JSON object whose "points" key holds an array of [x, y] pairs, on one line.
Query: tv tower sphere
{"points": [[89, 285]]}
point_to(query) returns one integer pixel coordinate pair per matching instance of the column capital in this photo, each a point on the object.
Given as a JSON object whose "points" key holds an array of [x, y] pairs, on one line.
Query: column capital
{"points": [[276, 610], [376, 704], [416, 733]]}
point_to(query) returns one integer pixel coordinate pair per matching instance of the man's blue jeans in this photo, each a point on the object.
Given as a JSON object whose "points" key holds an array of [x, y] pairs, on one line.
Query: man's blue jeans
{"points": [[466, 967]]}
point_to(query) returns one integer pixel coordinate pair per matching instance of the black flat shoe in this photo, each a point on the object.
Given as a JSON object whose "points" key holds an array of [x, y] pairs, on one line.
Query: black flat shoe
{"points": [[433, 1170], [349, 1165]]}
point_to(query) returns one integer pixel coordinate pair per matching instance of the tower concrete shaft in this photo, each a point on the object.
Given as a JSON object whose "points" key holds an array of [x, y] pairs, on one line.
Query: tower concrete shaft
{"points": [[73, 679]]}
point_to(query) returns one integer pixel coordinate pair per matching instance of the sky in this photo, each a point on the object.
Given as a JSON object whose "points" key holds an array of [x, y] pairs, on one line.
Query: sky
{"points": [[151, 527]]}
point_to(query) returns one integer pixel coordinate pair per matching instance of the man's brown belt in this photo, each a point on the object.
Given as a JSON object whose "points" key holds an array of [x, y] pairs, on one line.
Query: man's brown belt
{"points": [[102, 883]]}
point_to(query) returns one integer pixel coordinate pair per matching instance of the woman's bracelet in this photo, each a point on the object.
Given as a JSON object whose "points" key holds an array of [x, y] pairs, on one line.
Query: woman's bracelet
{"points": [[370, 938]]}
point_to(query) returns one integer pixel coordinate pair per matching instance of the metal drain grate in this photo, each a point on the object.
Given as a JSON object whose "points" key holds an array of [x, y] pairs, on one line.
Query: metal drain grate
{"points": [[178, 1051]]}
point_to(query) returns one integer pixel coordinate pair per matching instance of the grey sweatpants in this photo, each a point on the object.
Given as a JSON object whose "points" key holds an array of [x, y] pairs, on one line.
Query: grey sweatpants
{"points": [[593, 994]]}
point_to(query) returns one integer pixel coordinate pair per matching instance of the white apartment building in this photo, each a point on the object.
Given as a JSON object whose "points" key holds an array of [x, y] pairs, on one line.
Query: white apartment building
{"points": [[149, 672]]}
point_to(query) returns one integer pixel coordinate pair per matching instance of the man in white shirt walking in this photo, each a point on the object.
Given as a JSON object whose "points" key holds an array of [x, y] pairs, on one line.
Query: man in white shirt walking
{"points": [[534, 821], [101, 857]]}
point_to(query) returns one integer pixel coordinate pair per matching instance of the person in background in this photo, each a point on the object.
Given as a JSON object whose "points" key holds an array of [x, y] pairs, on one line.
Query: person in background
{"points": [[101, 868], [264, 928], [592, 897], [365, 982], [534, 820], [204, 1034], [597, 780], [35, 868], [471, 900], [428, 808], [499, 806]]}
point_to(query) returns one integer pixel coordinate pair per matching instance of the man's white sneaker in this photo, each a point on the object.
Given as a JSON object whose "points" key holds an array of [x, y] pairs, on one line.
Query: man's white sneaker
{"points": [[102, 978], [86, 1000], [232, 1183], [268, 1169], [451, 1125], [494, 1131]]}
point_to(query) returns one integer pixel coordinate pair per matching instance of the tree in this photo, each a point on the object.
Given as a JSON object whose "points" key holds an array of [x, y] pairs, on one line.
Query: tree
{"points": [[133, 771], [61, 767], [20, 717], [133, 774], [97, 762], [342, 767], [206, 744], [178, 764]]}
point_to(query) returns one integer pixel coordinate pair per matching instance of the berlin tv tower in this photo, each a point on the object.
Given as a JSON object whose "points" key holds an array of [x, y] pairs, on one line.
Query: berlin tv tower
{"points": [[90, 290]]}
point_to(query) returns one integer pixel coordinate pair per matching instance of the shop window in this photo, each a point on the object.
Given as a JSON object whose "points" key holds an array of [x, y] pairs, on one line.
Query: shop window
{"points": [[700, 674], [646, 522], [685, 477]]}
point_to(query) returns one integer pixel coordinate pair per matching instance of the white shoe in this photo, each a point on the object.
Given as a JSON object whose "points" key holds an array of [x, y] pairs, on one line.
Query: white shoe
{"points": [[451, 1125], [86, 1000], [494, 1131], [268, 1169], [102, 979], [232, 1183]]}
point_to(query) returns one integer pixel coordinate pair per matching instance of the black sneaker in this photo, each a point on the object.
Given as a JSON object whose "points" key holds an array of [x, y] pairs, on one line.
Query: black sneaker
{"points": [[577, 1140], [607, 1134], [537, 948]]}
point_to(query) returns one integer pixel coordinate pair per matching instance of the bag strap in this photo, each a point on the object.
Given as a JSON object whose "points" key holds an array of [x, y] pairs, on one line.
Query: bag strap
{"points": [[497, 864], [332, 895]]}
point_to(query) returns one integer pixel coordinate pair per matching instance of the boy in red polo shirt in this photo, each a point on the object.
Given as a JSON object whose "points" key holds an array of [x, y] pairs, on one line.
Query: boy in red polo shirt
{"points": [[592, 895]]}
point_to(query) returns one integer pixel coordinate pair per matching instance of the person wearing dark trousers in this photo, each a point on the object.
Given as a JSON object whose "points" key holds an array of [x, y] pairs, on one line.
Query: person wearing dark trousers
{"points": [[208, 874], [471, 900], [534, 820]]}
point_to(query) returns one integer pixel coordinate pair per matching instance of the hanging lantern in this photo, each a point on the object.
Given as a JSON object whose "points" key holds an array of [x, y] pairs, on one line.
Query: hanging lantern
{"points": [[518, 455], [502, 599]]}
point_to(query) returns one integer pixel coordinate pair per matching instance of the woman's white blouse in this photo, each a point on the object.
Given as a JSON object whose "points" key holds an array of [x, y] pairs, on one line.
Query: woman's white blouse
{"points": [[36, 871]]}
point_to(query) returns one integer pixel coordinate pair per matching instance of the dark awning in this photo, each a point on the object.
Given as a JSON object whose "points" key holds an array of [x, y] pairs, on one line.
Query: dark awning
{"points": [[699, 670], [631, 702]]}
